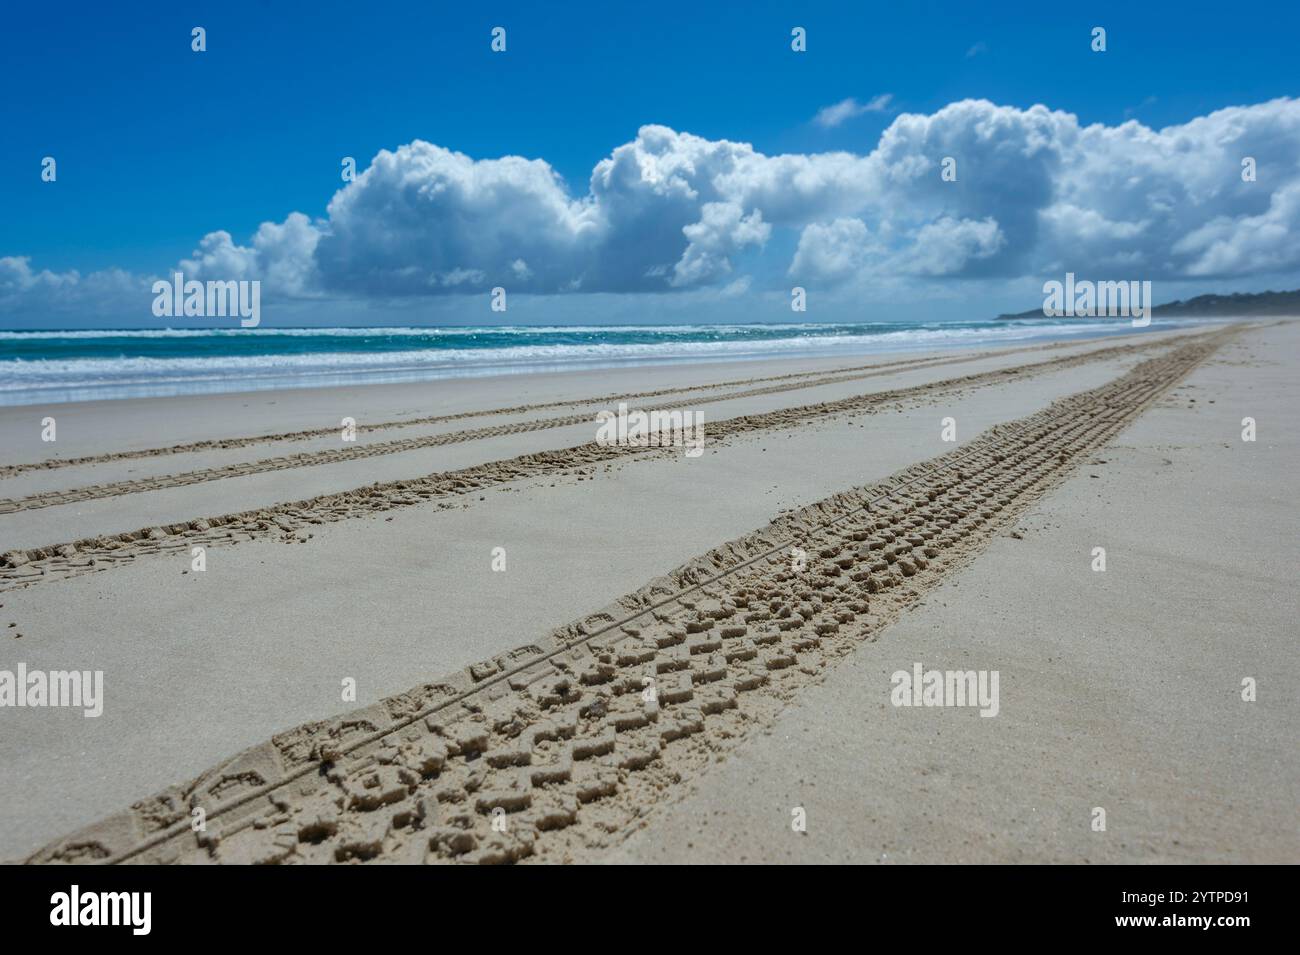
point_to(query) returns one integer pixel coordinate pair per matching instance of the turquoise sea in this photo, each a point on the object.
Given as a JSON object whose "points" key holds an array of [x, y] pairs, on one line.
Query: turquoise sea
{"points": [[40, 366]]}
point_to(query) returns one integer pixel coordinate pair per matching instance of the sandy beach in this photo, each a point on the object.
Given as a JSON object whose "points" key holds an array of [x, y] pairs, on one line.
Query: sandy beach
{"points": [[466, 630]]}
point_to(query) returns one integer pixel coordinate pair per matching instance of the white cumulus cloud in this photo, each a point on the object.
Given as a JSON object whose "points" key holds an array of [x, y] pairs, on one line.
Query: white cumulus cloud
{"points": [[1036, 194]]}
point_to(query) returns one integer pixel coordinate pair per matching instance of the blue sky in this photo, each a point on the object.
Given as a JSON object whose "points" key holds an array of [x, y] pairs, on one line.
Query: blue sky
{"points": [[158, 146]]}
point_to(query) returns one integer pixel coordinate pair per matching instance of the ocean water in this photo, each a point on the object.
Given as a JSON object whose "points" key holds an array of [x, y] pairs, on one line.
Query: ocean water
{"points": [[57, 366]]}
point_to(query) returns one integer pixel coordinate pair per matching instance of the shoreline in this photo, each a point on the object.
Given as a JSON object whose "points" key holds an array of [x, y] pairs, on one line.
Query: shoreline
{"points": [[238, 374]]}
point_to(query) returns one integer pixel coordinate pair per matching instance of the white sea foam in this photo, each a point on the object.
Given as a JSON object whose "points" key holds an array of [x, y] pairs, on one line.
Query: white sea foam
{"points": [[28, 380]]}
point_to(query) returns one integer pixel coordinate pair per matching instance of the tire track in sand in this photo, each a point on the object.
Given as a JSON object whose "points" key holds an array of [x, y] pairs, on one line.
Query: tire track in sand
{"points": [[361, 452], [58, 561], [557, 748], [220, 444]]}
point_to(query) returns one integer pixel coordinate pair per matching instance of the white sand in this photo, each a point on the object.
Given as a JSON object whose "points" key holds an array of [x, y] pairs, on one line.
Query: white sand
{"points": [[199, 666]]}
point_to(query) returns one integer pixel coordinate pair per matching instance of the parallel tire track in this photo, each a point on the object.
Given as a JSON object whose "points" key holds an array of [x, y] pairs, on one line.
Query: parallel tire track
{"points": [[559, 747], [364, 451], [221, 444], [62, 560]]}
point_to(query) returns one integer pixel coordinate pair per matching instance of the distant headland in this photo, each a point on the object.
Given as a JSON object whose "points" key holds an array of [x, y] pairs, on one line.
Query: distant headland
{"points": [[1214, 306]]}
